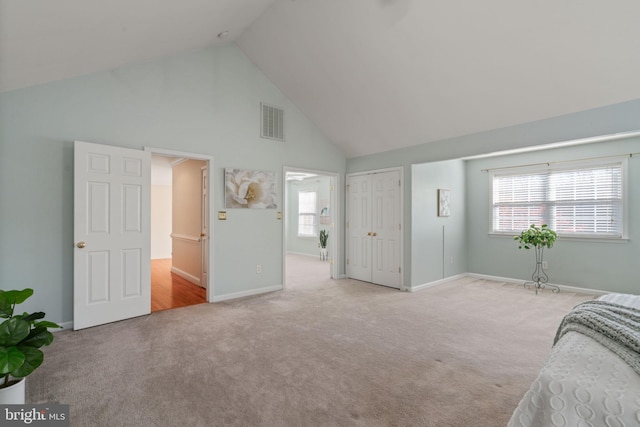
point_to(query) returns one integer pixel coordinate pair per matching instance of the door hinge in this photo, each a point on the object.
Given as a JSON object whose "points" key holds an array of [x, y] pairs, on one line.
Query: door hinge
{"points": [[399, 270], [399, 226], [347, 261], [332, 187], [348, 185], [399, 183]]}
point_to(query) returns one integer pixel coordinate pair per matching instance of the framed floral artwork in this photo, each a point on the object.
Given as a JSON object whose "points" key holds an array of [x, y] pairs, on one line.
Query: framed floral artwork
{"points": [[250, 189], [444, 200]]}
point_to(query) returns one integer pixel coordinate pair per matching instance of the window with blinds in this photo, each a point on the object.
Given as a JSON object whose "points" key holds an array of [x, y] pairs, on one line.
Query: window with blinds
{"points": [[307, 214], [584, 201]]}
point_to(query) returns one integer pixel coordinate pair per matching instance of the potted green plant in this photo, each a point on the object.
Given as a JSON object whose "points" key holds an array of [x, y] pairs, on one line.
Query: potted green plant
{"points": [[21, 337], [324, 236], [538, 238]]}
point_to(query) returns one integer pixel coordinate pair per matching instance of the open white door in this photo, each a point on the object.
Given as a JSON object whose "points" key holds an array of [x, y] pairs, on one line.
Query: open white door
{"points": [[112, 234]]}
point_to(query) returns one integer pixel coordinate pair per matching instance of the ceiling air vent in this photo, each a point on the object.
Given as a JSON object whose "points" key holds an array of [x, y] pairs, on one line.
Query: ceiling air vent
{"points": [[272, 124]]}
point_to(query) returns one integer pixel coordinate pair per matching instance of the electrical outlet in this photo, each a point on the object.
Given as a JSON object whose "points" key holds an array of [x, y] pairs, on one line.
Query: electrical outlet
{"points": [[258, 269], [545, 264]]}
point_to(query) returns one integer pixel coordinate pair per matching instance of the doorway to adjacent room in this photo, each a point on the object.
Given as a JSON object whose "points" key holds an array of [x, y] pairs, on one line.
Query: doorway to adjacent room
{"points": [[179, 231]]}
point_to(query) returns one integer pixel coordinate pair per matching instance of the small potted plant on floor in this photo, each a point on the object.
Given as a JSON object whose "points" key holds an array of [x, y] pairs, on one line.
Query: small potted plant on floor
{"points": [[538, 238], [324, 236], [21, 336]]}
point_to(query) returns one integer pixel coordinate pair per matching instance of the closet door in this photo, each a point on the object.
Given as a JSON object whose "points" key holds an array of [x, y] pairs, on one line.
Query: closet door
{"points": [[386, 232], [359, 227], [374, 228]]}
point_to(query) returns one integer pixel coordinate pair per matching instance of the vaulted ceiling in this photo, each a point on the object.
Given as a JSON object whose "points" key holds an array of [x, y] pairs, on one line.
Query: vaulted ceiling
{"points": [[373, 75]]}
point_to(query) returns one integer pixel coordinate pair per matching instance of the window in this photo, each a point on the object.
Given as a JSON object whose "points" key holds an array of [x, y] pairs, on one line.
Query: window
{"points": [[584, 201], [307, 213]]}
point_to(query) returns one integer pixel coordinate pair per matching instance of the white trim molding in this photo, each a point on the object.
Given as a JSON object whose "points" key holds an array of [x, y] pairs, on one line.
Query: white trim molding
{"points": [[587, 291], [267, 289], [186, 237], [565, 288], [434, 283], [189, 277]]}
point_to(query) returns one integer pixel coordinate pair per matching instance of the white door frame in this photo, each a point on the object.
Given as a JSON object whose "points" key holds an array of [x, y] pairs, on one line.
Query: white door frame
{"points": [[334, 202], [209, 161], [399, 169], [204, 226]]}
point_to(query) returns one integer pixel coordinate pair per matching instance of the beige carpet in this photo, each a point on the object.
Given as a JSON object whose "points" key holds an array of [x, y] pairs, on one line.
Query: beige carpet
{"points": [[321, 353]]}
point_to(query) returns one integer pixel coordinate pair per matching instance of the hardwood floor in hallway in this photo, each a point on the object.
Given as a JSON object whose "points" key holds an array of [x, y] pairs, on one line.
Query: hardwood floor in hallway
{"points": [[168, 290]]}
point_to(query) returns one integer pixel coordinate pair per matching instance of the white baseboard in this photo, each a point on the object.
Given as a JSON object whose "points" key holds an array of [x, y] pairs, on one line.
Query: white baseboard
{"points": [[66, 326], [435, 283], [219, 298], [305, 254], [190, 277], [565, 288]]}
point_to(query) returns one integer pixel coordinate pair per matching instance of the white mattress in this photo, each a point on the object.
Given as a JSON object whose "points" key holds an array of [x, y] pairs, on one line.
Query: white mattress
{"points": [[582, 384]]}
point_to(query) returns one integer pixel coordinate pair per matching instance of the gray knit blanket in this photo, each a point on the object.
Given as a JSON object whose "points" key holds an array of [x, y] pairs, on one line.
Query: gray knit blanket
{"points": [[612, 325]]}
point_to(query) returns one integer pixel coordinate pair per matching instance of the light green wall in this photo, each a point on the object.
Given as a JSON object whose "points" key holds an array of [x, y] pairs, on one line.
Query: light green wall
{"points": [[589, 264], [438, 246], [623, 117], [305, 245], [202, 102]]}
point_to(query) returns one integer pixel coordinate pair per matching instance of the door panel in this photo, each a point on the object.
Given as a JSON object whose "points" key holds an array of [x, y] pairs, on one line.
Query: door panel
{"points": [[374, 228], [359, 255], [387, 229], [112, 234]]}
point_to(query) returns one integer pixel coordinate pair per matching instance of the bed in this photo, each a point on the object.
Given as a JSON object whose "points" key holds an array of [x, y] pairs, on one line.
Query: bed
{"points": [[584, 383]]}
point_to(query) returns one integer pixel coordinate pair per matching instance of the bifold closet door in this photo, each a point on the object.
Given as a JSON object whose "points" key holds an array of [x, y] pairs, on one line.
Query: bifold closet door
{"points": [[374, 228]]}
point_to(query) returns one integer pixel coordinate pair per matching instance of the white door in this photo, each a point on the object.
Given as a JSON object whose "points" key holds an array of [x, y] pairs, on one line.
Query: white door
{"points": [[374, 228], [112, 234], [385, 219], [359, 227]]}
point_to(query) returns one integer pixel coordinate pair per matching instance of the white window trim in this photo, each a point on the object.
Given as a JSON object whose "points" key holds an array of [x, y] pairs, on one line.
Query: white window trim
{"points": [[622, 160], [314, 235]]}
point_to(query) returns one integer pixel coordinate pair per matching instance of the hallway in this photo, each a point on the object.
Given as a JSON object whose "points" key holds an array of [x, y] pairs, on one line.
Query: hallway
{"points": [[168, 290]]}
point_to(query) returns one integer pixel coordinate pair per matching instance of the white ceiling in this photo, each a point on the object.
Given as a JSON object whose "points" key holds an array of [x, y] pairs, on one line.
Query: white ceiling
{"points": [[47, 40], [373, 75]]}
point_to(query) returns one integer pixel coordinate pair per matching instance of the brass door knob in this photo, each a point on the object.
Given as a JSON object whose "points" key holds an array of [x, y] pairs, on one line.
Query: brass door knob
{"points": [[81, 245]]}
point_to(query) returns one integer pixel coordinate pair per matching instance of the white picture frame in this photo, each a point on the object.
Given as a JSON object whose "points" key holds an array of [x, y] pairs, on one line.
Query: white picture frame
{"points": [[444, 202]]}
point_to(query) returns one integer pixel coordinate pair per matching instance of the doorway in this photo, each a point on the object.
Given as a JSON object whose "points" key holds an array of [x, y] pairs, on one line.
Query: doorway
{"points": [[179, 230], [311, 204], [374, 227]]}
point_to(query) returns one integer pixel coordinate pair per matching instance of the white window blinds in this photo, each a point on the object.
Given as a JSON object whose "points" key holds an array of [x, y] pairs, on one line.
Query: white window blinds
{"points": [[307, 213], [579, 201]]}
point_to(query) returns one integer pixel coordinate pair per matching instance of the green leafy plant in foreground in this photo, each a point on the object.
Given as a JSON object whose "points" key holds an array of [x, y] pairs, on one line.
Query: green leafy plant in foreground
{"points": [[536, 236], [21, 336]]}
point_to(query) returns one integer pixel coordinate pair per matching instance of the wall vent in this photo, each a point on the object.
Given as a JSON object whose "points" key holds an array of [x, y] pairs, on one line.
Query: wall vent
{"points": [[272, 123]]}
